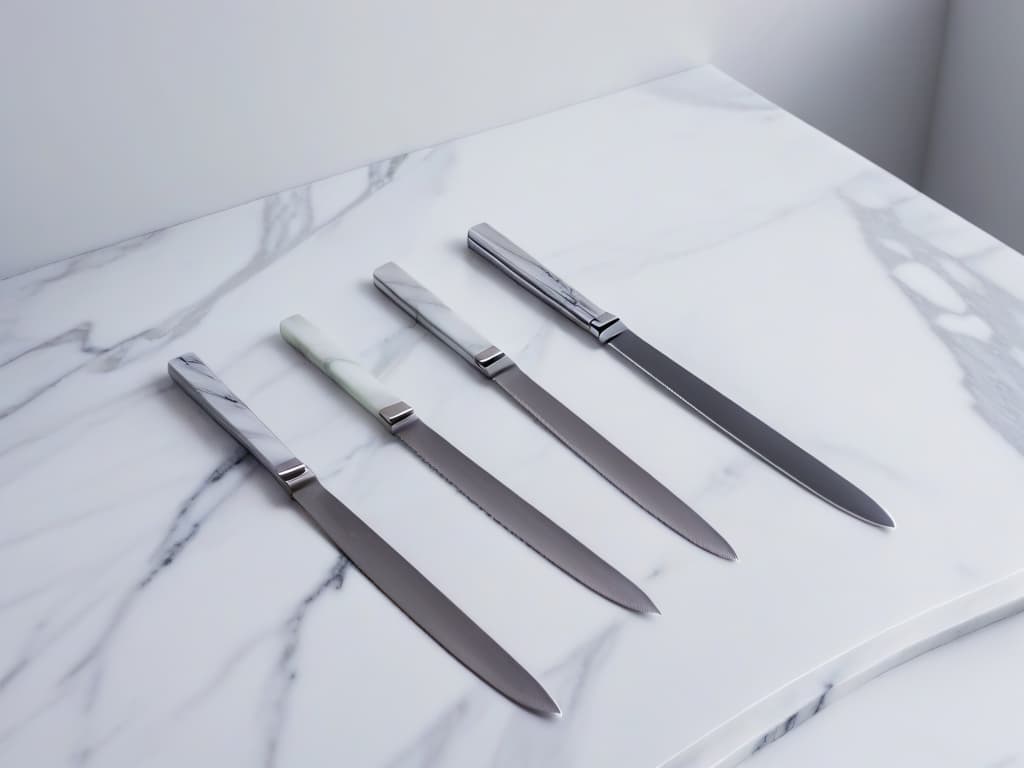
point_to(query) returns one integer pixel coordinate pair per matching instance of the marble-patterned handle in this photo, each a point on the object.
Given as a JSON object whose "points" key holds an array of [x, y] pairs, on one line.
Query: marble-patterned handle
{"points": [[202, 385], [438, 318], [363, 386], [535, 277]]}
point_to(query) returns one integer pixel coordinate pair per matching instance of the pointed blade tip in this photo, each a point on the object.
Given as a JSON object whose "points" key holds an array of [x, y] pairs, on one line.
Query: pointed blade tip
{"points": [[538, 701], [646, 605], [711, 542], [723, 549], [636, 600], [624, 593], [551, 709], [887, 522], [872, 513]]}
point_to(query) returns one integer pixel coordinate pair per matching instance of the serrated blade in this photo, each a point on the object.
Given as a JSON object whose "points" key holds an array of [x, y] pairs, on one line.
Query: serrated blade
{"points": [[750, 432], [422, 602], [615, 466], [523, 520]]}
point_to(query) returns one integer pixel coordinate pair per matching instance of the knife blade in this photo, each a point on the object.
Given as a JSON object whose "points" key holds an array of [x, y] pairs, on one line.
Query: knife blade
{"points": [[506, 508], [393, 575], [621, 471], [743, 427]]}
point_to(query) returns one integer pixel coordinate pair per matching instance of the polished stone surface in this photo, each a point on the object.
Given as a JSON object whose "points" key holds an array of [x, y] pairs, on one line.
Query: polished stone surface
{"points": [[163, 603]]}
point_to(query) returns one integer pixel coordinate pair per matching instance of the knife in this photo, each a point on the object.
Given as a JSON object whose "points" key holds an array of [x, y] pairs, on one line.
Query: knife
{"points": [[621, 471], [504, 506], [746, 429], [406, 587]]}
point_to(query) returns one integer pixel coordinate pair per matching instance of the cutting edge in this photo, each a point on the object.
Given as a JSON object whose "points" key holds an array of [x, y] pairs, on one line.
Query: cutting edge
{"points": [[870, 512], [522, 519], [421, 601], [611, 463]]}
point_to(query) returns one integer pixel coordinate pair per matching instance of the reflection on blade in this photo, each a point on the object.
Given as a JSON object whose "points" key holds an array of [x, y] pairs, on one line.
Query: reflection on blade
{"points": [[422, 602], [523, 520], [750, 431], [612, 463]]}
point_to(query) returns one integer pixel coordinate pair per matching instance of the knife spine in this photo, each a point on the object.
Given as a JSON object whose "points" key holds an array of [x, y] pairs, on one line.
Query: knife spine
{"points": [[542, 282], [234, 416], [437, 317]]}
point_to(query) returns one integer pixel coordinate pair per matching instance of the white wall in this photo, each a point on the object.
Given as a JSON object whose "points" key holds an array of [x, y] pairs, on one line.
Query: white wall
{"points": [[863, 71], [121, 117], [976, 158]]}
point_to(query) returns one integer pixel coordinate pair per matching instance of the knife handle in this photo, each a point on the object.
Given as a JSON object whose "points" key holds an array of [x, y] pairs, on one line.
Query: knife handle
{"points": [[438, 318], [362, 385], [202, 385], [532, 275]]}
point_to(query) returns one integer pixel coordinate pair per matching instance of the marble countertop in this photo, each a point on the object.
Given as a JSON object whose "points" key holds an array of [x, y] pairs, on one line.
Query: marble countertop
{"points": [[163, 603], [959, 705]]}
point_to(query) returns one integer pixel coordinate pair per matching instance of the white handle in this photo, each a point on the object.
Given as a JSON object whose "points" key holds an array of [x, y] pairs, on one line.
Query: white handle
{"points": [[362, 385], [438, 318], [202, 385]]}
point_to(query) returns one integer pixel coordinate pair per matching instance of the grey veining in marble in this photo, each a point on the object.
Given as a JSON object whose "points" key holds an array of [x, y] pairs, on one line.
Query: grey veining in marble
{"points": [[978, 318], [163, 605]]}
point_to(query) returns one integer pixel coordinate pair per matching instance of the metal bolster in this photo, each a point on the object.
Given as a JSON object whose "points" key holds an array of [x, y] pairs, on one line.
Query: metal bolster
{"points": [[397, 415], [491, 361], [606, 326], [294, 475]]}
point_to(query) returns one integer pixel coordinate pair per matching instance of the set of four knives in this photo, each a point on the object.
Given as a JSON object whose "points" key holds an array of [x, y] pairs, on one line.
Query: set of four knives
{"points": [[420, 600]]}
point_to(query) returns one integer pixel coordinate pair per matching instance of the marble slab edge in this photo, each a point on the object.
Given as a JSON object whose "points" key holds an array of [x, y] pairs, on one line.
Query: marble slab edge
{"points": [[780, 712]]}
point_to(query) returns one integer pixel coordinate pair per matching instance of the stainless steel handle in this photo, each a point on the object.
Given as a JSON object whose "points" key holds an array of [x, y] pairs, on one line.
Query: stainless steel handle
{"points": [[438, 318], [535, 277], [202, 385]]}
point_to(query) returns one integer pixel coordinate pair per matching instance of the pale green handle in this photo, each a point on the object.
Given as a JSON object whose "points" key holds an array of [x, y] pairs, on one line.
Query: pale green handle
{"points": [[362, 385]]}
